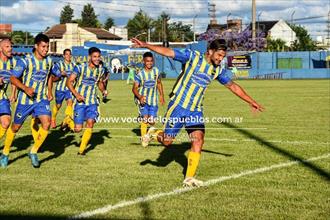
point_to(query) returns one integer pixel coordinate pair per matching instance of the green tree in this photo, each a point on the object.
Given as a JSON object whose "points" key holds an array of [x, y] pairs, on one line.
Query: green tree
{"points": [[66, 15], [88, 17], [304, 42], [139, 25], [157, 34], [109, 23], [180, 32], [20, 37], [276, 45]]}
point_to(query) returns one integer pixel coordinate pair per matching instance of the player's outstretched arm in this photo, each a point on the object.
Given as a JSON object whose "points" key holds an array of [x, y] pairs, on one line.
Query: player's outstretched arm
{"points": [[239, 91], [165, 51]]}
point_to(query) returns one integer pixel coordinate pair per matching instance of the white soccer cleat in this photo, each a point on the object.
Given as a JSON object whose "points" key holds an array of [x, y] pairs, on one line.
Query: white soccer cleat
{"points": [[145, 140], [192, 182], [151, 133]]}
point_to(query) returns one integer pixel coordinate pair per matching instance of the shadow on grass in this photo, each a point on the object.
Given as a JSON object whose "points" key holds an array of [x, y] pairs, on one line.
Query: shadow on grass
{"points": [[97, 138], [176, 152], [317, 170], [38, 217]]}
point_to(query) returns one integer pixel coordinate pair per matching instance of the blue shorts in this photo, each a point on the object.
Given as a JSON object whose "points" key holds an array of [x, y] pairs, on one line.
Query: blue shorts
{"points": [[61, 95], [176, 117], [84, 112], [36, 109], [148, 110], [5, 107]]}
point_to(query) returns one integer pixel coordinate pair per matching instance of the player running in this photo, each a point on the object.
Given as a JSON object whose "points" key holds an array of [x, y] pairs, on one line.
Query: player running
{"points": [[32, 97], [146, 86], [88, 77]]}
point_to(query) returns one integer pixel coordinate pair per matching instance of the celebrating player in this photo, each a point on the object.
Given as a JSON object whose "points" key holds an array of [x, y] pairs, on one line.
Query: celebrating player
{"points": [[185, 107], [146, 86], [88, 76]]}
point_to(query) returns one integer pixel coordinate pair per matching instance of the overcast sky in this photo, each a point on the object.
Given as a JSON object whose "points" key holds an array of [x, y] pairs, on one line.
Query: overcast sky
{"points": [[36, 15]]}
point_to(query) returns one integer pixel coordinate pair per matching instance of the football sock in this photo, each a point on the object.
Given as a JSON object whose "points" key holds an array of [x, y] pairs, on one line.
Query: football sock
{"points": [[54, 112], [85, 139], [33, 129], [42, 134], [2, 131], [8, 141], [144, 128], [193, 161]]}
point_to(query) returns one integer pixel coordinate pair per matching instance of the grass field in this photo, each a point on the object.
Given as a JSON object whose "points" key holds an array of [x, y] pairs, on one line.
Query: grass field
{"points": [[294, 127]]}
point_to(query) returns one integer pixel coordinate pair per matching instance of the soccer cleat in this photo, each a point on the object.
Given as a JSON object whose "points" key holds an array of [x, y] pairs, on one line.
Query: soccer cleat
{"points": [[145, 140], [192, 182], [53, 123], [152, 133], [81, 154], [4, 161], [34, 160]]}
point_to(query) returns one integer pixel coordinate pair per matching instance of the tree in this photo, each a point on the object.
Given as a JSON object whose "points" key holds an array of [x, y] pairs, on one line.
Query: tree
{"points": [[109, 23], [276, 45], [139, 25], [157, 34], [20, 37], [180, 32], [66, 15], [304, 42], [88, 17]]}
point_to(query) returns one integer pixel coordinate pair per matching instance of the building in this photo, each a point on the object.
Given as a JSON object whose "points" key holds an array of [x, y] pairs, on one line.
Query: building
{"points": [[6, 29], [232, 25], [276, 30], [119, 31], [64, 36]]}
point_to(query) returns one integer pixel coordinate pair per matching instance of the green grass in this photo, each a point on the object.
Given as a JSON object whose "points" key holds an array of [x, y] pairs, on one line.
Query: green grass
{"points": [[295, 125]]}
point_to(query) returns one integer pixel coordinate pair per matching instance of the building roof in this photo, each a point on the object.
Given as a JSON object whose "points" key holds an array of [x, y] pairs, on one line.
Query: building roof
{"points": [[264, 26], [57, 31], [102, 33]]}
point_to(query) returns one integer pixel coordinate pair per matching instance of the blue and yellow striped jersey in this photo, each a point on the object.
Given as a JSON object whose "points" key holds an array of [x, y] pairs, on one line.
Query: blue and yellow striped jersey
{"points": [[190, 87], [86, 82], [34, 74], [6, 69], [66, 67], [147, 81]]}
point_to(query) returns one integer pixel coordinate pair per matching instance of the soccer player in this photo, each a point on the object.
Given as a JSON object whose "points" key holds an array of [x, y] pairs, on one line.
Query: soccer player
{"points": [[146, 86], [7, 63], [131, 74], [62, 92], [187, 96], [32, 98], [88, 76]]}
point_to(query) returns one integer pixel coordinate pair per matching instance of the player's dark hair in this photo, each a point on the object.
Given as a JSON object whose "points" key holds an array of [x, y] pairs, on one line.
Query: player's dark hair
{"points": [[6, 38], [147, 54], [67, 49], [93, 50], [41, 38], [218, 44]]}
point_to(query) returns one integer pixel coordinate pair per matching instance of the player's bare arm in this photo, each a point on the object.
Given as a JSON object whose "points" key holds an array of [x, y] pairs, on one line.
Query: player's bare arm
{"points": [[16, 82], [239, 91], [69, 84], [165, 51], [141, 98], [161, 92]]}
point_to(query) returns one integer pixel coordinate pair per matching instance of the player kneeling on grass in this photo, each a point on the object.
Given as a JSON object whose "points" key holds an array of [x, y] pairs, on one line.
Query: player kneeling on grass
{"points": [[146, 86], [32, 97], [62, 92], [88, 77], [188, 93]]}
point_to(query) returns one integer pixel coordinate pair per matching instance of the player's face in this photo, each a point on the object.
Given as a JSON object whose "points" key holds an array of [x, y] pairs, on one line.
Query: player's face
{"points": [[42, 48], [217, 56], [67, 56], [6, 48], [95, 58], [148, 62]]}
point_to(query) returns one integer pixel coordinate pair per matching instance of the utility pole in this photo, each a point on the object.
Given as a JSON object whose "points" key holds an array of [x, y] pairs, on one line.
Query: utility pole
{"points": [[328, 30], [254, 23], [212, 15], [292, 30], [194, 27]]}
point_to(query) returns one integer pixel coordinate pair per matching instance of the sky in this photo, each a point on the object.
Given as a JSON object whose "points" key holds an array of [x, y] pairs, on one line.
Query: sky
{"points": [[36, 15]]}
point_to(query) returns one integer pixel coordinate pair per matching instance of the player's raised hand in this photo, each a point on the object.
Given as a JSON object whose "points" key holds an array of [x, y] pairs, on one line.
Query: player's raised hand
{"points": [[29, 91], [137, 43]]}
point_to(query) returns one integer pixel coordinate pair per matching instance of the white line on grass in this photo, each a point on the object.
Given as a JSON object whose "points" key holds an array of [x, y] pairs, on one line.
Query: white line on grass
{"points": [[174, 192]]}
